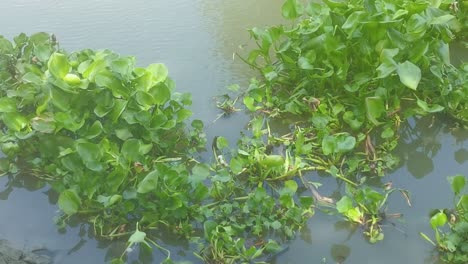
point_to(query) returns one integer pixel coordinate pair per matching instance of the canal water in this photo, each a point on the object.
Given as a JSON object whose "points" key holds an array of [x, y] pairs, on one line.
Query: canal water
{"points": [[196, 39]]}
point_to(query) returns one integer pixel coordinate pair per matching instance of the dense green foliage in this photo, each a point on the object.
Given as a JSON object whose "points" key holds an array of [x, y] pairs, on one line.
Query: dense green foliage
{"points": [[452, 244], [112, 138]]}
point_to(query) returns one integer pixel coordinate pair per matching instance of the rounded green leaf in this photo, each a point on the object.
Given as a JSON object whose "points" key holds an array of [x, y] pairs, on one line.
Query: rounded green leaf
{"points": [[345, 143], [106, 79], [183, 114], [328, 145], [438, 219], [199, 173], [43, 124], [458, 183], [131, 149], [89, 152], [374, 108], [137, 237], [69, 202], [72, 79], [344, 204], [94, 130], [236, 165], [149, 183], [159, 72], [291, 9], [272, 161], [15, 121], [145, 99], [7, 105], [434, 108], [58, 65], [161, 94], [409, 74]]}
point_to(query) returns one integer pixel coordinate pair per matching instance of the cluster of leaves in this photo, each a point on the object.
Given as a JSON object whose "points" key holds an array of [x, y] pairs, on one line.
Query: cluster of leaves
{"points": [[351, 72], [109, 136], [451, 225], [111, 139]]}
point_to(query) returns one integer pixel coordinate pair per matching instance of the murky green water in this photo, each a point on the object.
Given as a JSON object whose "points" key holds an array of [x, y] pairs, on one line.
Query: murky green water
{"points": [[196, 40]]}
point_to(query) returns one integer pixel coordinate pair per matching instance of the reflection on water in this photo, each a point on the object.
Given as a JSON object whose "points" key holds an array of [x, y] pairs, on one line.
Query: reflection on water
{"points": [[196, 39]]}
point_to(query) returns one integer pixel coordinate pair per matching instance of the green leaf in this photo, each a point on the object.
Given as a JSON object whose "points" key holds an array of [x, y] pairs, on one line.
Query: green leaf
{"points": [[249, 102], [72, 79], [441, 20], [345, 143], [292, 9], [272, 161], [131, 149], [458, 183], [307, 62], [31, 77], [69, 202], [344, 204], [375, 109], [328, 145], [276, 225], [68, 121], [221, 142], [5, 46], [409, 74], [123, 133], [145, 99], [352, 22], [43, 124], [7, 105], [161, 94], [199, 173], [159, 72], [94, 130], [183, 114], [197, 124], [90, 154], [290, 187], [236, 165], [351, 120], [58, 65], [434, 108], [107, 79], [209, 227], [137, 237], [149, 183], [14, 121], [438, 220]]}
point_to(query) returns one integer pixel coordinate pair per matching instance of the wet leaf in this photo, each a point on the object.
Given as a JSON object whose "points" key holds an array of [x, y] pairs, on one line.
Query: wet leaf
{"points": [[409, 74], [58, 65], [438, 220], [149, 183], [15, 121], [159, 72], [7, 105], [69, 202], [434, 108], [375, 109], [292, 9], [458, 183]]}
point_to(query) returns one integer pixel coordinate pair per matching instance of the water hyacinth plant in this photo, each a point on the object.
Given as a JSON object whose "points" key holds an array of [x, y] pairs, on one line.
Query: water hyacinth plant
{"points": [[114, 140]]}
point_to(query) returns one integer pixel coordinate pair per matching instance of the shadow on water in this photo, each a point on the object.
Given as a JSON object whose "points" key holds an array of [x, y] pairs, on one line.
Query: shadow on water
{"points": [[196, 40]]}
